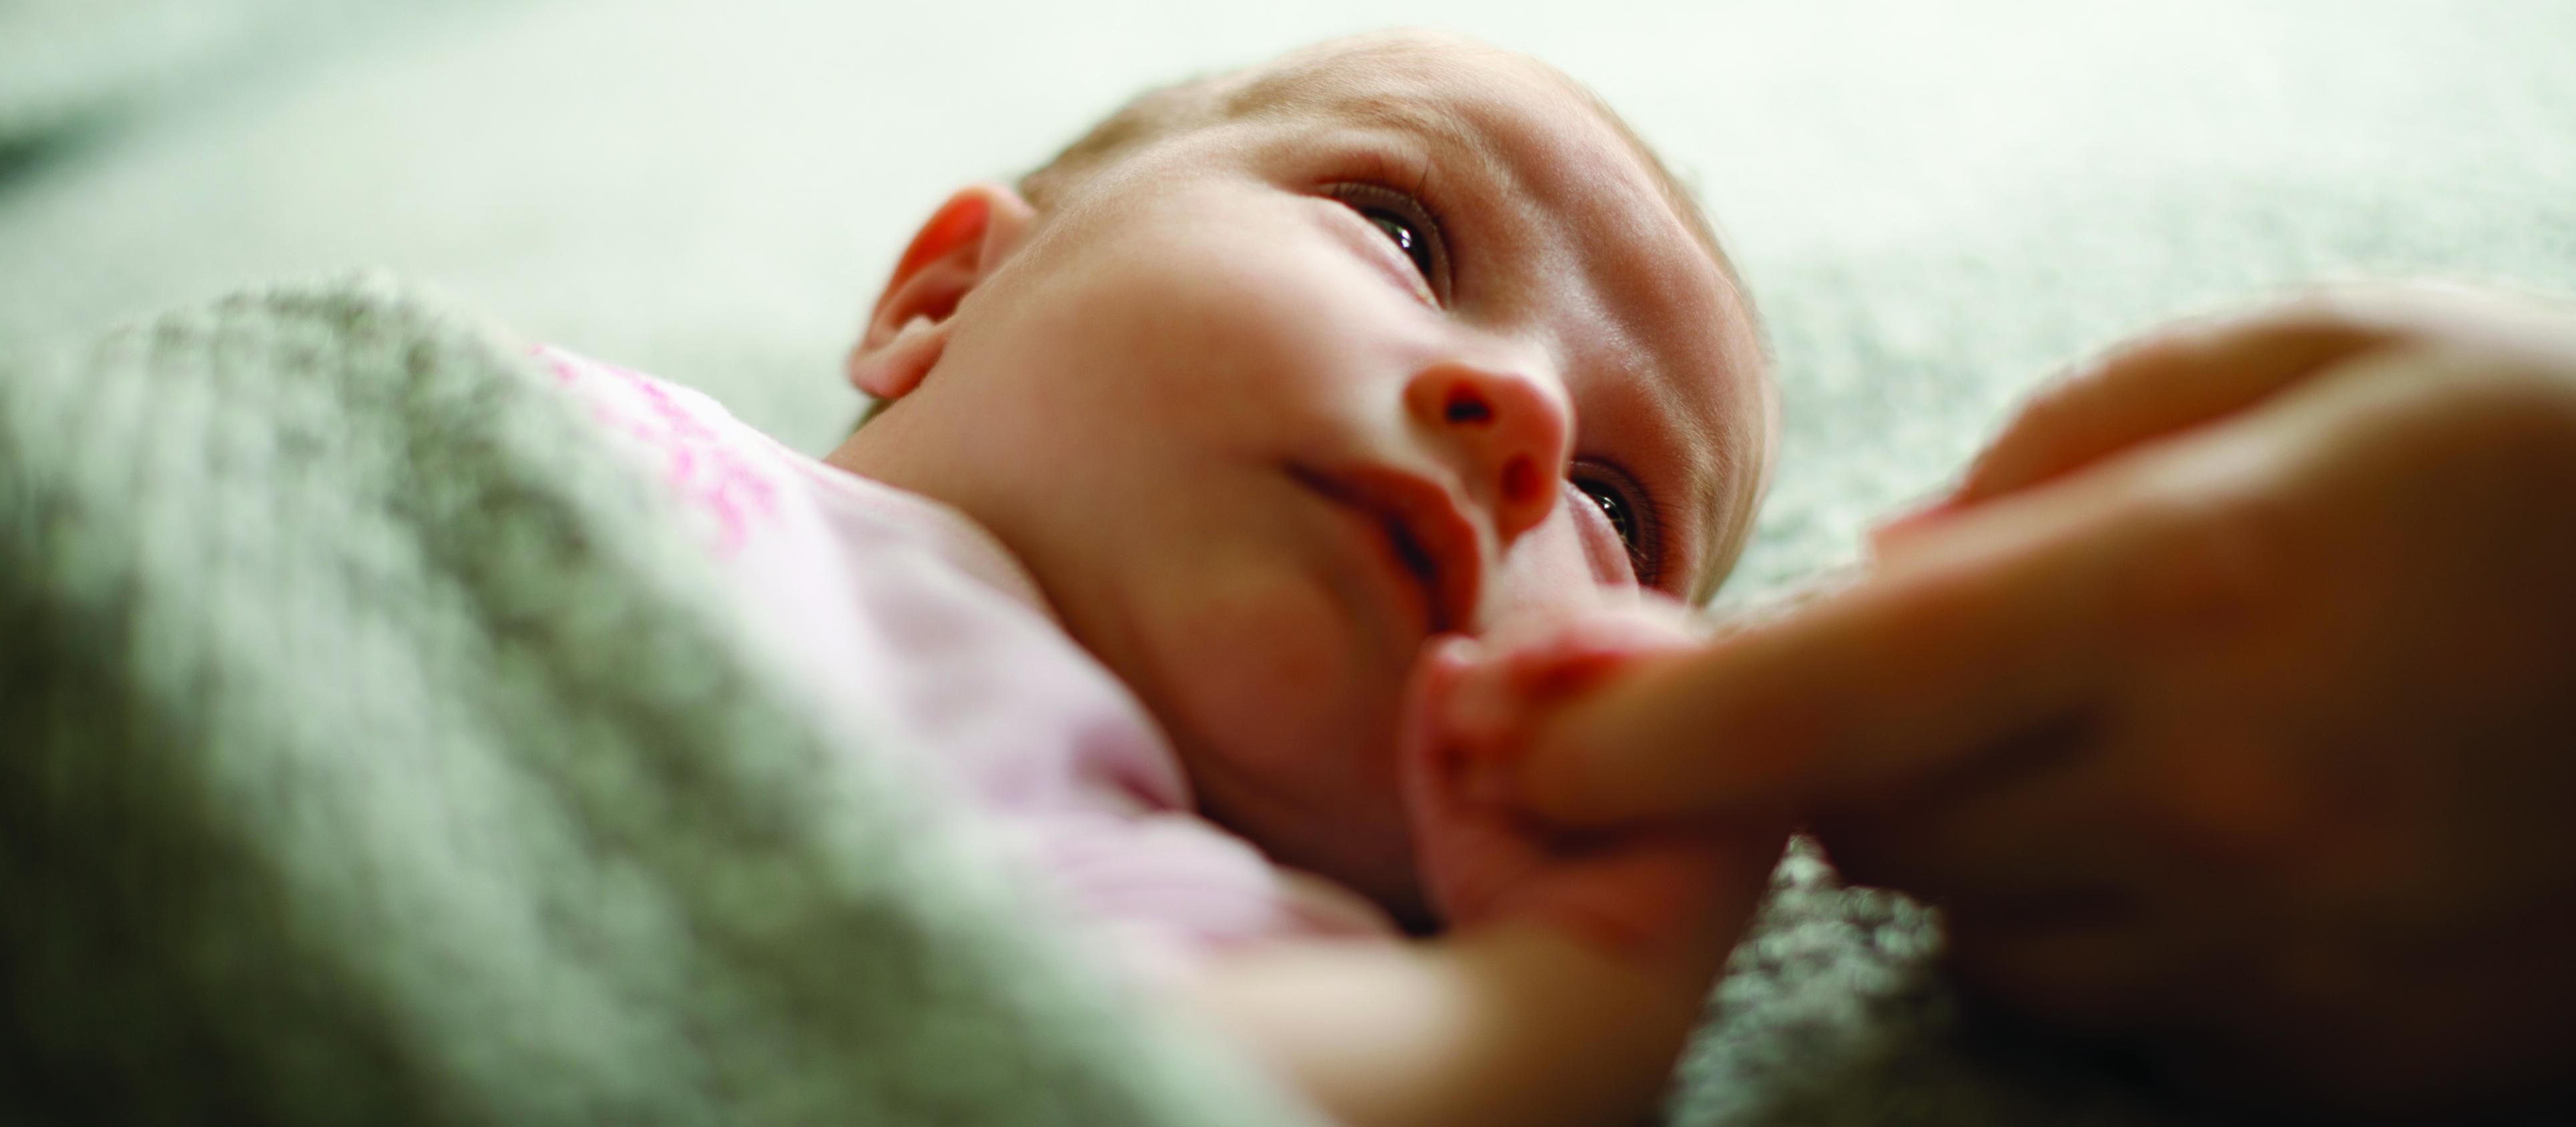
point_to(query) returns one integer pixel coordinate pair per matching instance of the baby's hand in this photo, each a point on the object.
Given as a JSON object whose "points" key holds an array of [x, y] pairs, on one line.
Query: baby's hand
{"points": [[1675, 896]]}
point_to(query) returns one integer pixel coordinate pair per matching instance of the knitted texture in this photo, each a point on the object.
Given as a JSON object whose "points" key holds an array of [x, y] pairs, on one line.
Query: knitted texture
{"points": [[379, 749], [1935, 206]]}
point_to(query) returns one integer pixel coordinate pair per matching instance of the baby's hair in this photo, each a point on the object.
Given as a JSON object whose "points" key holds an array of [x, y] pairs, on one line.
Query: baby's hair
{"points": [[1157, 113]]}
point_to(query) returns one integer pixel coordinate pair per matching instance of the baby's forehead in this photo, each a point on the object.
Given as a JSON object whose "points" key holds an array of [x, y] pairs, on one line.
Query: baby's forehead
{"points": [[1458, 89], [1417, 81]]}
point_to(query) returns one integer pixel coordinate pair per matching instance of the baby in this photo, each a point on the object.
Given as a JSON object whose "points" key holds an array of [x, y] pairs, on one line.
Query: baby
{"points": [[1246, 476]]}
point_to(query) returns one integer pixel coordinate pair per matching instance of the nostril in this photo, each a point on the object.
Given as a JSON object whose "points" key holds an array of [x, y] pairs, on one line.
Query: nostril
{"points": [[1521, 482], [1466, 406]]}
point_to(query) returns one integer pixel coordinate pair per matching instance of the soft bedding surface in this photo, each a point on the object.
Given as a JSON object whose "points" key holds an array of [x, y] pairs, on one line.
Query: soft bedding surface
{"points": [[381, 750], [1935, 205]]}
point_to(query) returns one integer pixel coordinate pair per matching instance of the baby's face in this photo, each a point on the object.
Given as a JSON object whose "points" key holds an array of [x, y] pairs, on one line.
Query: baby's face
{"points": [[1267, 403]]}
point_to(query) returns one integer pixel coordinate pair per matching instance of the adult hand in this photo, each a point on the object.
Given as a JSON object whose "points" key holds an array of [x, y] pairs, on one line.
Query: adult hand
{"points": [[2230, 704]]}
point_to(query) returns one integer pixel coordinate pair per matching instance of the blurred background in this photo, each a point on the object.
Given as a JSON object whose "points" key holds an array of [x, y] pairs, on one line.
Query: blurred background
{"points": [[1935, 203]]}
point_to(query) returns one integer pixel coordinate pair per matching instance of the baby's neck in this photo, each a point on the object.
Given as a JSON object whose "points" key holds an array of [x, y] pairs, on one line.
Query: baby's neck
{"points": [[964, 541]]}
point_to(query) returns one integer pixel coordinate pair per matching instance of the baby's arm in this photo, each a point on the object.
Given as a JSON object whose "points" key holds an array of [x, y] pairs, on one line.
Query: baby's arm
{"points": [[1502, 1024], [1572, 972]]}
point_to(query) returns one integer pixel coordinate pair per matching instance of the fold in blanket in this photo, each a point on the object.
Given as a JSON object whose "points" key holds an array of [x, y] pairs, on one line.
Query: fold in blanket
{"points": [[377, 749]]}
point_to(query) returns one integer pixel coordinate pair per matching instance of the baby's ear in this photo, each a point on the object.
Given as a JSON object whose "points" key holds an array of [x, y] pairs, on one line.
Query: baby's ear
{"points": [[961, 245]]}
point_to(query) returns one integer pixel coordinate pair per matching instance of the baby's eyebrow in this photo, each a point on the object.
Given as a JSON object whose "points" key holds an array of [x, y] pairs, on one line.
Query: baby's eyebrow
{"points": [[1439, 124], [1342, 100], [1340, 95]]}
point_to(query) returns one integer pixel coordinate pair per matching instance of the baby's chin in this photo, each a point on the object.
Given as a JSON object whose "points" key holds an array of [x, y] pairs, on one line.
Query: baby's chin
{"points": [[1370, 858], [1396, 889]]}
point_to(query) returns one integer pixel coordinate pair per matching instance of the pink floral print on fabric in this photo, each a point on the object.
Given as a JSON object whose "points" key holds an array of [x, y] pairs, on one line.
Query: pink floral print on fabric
{"points": [[700, 464]]}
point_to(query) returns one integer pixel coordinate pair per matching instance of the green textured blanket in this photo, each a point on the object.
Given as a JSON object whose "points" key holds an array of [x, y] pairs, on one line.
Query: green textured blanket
{"points": [[378, 750], [1936, 204]]}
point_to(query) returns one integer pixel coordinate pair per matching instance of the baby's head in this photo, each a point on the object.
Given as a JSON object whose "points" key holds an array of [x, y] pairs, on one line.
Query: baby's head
{"points": [[1275, 374]]}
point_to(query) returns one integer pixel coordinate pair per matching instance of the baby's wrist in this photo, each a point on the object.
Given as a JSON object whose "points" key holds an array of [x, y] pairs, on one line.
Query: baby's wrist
{"points": [[1663, 938], [1606, 939], [1668, 901]]}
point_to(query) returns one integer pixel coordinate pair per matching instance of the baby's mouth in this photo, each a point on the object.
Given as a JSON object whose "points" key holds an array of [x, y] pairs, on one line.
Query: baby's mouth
{"points": [[1424, 525]]}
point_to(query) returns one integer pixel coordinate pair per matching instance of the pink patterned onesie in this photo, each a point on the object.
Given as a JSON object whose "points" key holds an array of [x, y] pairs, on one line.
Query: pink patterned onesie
{"points": [[920, 617]]}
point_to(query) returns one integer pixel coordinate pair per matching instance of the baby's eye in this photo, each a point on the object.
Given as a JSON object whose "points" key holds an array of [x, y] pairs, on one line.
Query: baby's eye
{"points": [[1407, 224], [1629, 520], [1413, 245]]}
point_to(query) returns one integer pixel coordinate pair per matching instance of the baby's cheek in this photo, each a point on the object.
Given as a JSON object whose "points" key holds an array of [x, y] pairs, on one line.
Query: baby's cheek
{"points": [[1266, 636], [1288, 726], [1256, 646]]}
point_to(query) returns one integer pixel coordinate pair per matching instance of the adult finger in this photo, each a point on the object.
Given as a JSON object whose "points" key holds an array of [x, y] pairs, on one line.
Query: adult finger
{"points": [[2181, 376], [1874, 683], [2061, 895], [2125, 965], [2043, 838], [2012, 619], [2175, 378]]}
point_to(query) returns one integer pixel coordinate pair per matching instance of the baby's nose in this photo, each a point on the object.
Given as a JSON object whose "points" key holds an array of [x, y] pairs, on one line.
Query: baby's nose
{"points": [[1505, 433]]}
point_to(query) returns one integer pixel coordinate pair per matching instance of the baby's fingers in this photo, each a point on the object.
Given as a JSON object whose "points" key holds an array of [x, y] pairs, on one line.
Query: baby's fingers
{"points": [[1470, 850], [1567, 655], [1525, 669], [1675, 898]]}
